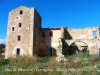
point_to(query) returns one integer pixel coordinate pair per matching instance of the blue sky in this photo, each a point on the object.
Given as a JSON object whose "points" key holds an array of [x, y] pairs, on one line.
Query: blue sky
{"points": [[55, 13]]}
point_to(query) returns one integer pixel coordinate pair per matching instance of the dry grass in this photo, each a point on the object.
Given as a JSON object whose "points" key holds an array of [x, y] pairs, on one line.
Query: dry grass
{"points": [[48, 65]]}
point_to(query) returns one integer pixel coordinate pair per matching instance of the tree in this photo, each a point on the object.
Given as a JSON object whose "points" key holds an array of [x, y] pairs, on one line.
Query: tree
{"points": [[2, 48]]}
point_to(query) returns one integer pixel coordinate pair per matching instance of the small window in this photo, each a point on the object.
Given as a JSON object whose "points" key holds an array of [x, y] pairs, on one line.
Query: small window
{"points": [[51, 34], [18, 38], [43, 34], [13, 28], [95, 33], [18, 51], [20, 24], [21, 12], [17, 17]]}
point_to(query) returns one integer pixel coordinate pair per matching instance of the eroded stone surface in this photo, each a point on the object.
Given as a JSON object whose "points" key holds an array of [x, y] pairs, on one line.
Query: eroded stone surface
{"points": [[34, 42]]}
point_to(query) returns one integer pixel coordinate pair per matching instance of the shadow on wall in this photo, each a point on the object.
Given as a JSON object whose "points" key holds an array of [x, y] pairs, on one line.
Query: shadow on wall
{"points": [[65, 47], [76, 49], [73, 49], [52, 51], [46, 48], [48, 51], [67, 35]]}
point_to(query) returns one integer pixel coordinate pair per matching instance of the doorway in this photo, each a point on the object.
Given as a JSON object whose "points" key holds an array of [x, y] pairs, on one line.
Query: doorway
{"points": [[50, 51], [18, 51]]}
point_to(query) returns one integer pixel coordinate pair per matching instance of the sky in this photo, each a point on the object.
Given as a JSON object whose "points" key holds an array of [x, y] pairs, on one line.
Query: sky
{"points": [[55, 13]]}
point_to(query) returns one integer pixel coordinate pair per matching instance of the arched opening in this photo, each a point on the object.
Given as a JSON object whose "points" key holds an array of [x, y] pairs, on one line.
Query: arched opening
{"points": [[78, 47]]}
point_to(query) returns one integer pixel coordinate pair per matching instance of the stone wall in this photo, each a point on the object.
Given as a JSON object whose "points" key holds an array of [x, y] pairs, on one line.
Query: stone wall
{"points": [[85, 33], [36, 28], [48, 41], [26, 23], [30, 23]]}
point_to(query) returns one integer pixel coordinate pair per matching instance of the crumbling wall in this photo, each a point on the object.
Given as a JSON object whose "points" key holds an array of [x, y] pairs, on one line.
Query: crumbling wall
{"points": [[85, 33]]}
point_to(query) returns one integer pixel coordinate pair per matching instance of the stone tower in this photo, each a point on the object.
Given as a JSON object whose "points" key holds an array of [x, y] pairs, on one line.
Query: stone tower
{"points": [[23, 32]]}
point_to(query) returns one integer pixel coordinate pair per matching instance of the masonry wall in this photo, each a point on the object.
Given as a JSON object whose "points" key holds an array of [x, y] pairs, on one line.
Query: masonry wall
{"points": [[81, 35], [26, 31], [48, 41], [36, 28], [85, 33]]}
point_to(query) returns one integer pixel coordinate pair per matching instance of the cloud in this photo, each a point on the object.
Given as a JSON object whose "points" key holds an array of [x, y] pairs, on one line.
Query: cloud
{"points": [[2, 41]]}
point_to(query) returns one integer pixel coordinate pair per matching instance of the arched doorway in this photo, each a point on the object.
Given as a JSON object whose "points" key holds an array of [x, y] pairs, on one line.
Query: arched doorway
{"points": [[78, 47]]}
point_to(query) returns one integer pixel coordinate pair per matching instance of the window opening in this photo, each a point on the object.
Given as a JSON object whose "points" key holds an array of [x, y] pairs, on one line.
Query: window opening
{"points": [[20, 24], [13, 28], [95, 34], [18, 38], [21, 12], [43, 34], [51, 34]]}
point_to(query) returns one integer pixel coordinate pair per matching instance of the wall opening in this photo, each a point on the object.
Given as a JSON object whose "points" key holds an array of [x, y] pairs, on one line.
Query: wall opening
{"points": [[18, 51], [78, 47], [20, 24], [13, 28], [50, 51], [17, 17], [43, 34], [95, 34], [73, 49], [21, 12], [18, 38], [51, 33]]}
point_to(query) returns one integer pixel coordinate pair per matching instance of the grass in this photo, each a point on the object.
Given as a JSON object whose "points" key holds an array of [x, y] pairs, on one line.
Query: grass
{"points": [[81, 64]]}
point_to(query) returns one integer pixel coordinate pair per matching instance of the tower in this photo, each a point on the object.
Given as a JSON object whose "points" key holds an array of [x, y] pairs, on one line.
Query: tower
{"points": [[23, 32]]}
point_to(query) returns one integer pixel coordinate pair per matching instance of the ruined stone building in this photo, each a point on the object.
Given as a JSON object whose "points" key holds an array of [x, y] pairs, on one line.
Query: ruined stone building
{"points": [[25, 36]]}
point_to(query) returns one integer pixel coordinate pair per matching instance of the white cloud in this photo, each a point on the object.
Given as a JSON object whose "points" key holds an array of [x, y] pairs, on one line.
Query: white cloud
{"points": [[2, 41]]}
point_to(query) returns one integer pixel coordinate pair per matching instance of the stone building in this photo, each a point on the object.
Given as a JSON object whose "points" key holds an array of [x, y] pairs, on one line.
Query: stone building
{"points": [[23, 32], [26, 37]]}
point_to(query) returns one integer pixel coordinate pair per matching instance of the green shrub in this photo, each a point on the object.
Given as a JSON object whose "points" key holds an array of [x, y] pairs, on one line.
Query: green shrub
{"points": [[44, 59], [3, 61]]}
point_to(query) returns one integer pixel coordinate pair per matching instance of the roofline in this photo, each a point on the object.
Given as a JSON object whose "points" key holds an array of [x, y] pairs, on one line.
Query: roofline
{"points": [[58, 28], [50, 28]]}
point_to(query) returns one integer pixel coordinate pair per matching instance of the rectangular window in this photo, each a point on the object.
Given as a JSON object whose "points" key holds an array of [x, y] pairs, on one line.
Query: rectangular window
{"points": [[21, 12], [95, 33], [20, 24], [51, 34], [43, 34], [13, 28], [18, 51], [18, 38]]}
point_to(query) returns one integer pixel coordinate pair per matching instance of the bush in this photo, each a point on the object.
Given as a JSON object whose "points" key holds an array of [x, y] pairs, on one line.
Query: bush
{"points": [[2, 60], [2, 48]]}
